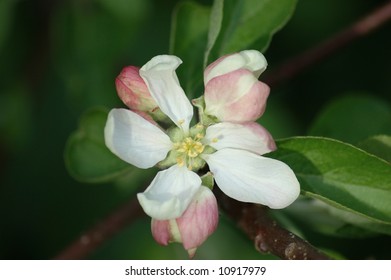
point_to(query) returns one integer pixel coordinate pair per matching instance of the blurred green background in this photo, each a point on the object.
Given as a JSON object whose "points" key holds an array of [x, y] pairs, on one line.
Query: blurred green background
{"points": [[60, 58]]}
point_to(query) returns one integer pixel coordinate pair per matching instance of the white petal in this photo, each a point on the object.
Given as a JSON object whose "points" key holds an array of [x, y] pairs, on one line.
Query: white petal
{"points": [[252, 137], [170, 193], [134, 139], [250, 59], [255, 61], [162, 81], [248, 177]]}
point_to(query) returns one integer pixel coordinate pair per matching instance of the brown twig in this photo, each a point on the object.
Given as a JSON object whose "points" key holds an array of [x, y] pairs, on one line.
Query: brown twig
{"points": [[267, 235], [93, 238], [299, 63]]}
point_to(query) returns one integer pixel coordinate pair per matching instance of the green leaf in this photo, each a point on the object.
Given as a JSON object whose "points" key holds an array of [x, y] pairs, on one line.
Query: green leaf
{"points": [[332, 221], [216, 19], [86, 156], [189, 33], [353, 118], [359, 221], [340, 175], [201, 34], [251, 24], [379, 145]]}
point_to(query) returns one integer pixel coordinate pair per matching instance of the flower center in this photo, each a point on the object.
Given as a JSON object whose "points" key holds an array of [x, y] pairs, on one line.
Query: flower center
{"points": [[191, 147], [187, 148]]}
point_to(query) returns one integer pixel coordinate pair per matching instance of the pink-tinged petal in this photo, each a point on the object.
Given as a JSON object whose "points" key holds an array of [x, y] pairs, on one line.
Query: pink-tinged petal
{"points": [[162, 81], [161, 231], [248, 177], [165, 231], [134, 139], [236, 97], [170, 193], [133, 91], [248, 136], [264, 134], [199, 220], [252, 60], [195, 225]]}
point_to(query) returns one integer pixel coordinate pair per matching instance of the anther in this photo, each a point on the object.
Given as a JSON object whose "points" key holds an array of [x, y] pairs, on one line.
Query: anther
{"points": [[180, 161], [199, 136]]}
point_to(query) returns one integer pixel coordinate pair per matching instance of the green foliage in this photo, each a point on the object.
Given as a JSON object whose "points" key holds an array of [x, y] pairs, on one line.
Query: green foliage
{"points": [[340, 174], [201, 34], [379, 145], [247, 24], [215, 24], [189, 31], [331, 221], [86, 155]]}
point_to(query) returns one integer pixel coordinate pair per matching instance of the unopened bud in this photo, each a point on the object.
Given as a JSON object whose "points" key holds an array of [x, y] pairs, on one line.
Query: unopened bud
{"points": [[232, 90], [133, 91], [196, 224]]}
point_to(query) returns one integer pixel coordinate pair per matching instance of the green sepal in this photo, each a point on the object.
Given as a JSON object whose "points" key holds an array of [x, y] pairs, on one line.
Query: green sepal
{"points": [[204, 118], [208, 180]]}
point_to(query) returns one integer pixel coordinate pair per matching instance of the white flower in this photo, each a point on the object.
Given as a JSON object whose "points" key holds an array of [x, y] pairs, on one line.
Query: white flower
{"points": [[231, 150]]}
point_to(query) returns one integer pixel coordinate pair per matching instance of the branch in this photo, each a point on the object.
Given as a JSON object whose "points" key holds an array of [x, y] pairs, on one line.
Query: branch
{"points": [[268, 237], [107, 228], [298, 64]]}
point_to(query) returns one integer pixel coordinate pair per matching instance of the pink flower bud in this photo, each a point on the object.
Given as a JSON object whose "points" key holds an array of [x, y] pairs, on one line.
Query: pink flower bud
{"points": [[236, 97], [195, 225], [232, 90], [133, 91]]}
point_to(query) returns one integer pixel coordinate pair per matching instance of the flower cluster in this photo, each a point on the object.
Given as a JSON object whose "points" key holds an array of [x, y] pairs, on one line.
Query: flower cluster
{"points": [[226, 139]]}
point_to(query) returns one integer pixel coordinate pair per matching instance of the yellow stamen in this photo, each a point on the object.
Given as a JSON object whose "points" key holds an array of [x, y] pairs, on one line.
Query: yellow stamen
{"points": [[192, 148], [180, 161], [199, 136]]}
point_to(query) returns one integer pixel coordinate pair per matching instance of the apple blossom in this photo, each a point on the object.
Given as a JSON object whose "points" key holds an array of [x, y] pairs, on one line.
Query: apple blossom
{"points": [[232, 149]]}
